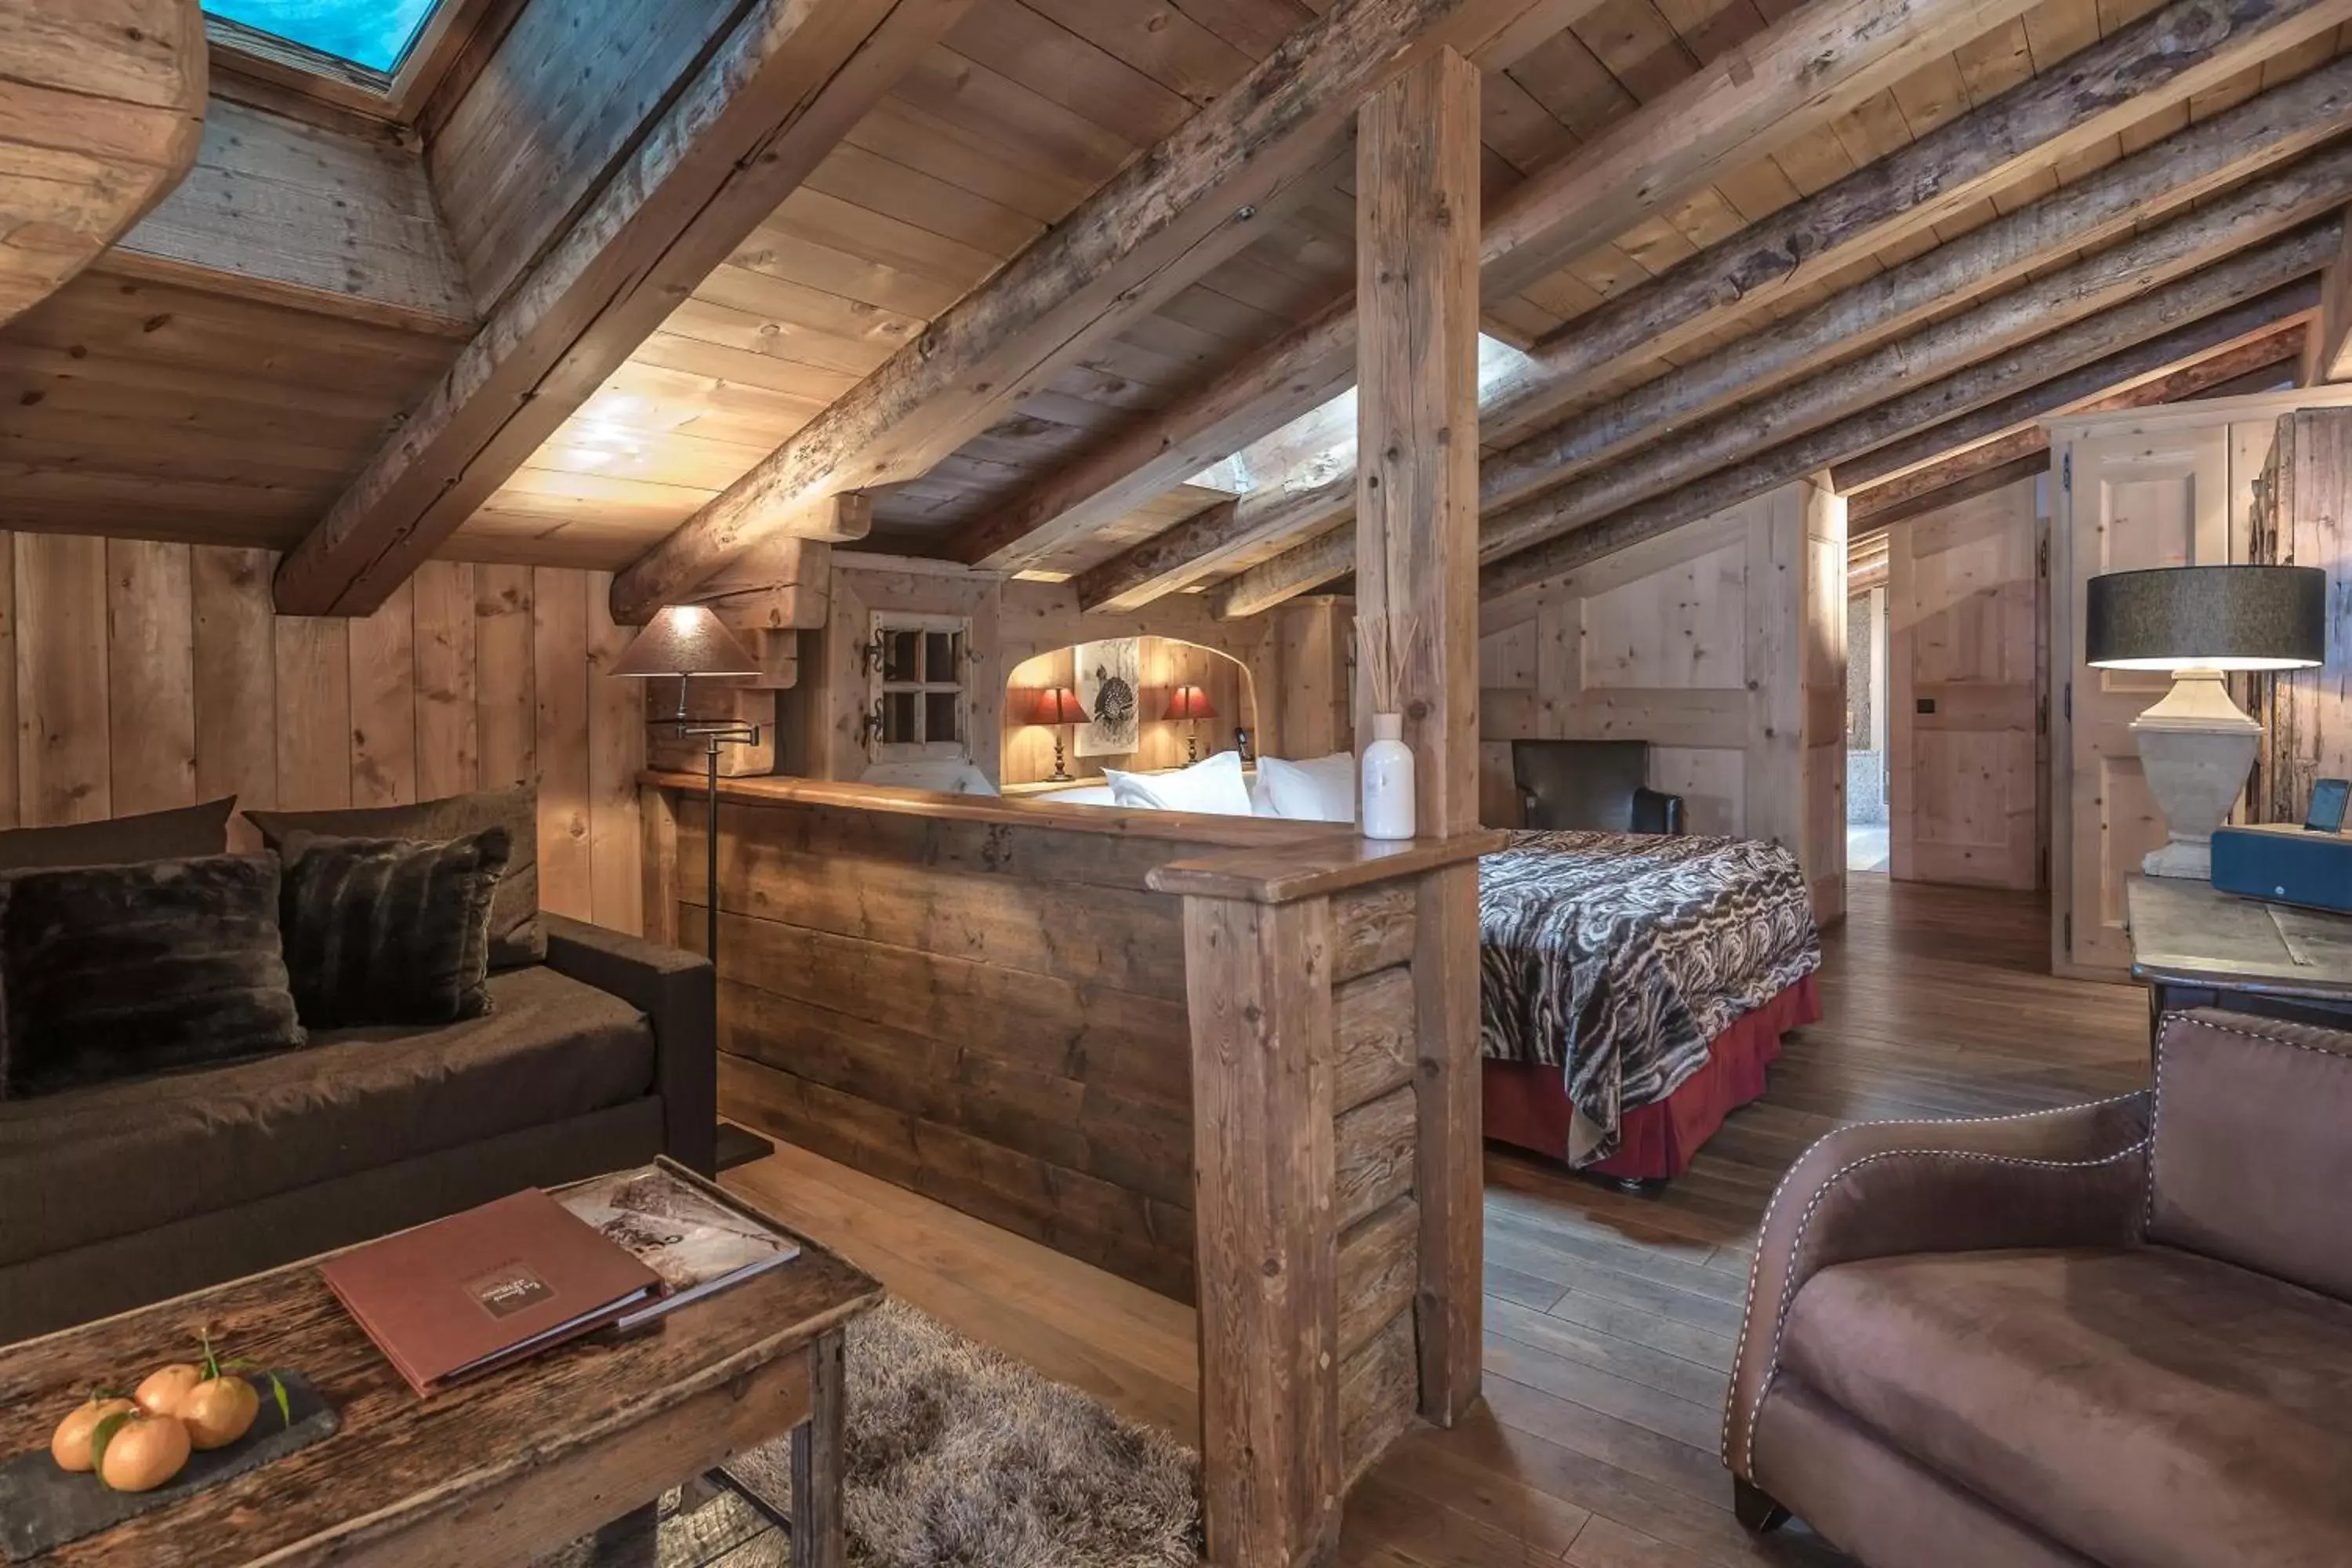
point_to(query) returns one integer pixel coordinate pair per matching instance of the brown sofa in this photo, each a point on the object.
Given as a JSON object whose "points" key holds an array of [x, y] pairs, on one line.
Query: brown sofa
{"points": [[128, 1193], [2118, 1335]]}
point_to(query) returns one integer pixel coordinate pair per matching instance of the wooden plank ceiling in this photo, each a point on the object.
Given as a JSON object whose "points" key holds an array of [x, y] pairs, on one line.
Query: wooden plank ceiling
{"points": [[148, 399], [1025, 107]]}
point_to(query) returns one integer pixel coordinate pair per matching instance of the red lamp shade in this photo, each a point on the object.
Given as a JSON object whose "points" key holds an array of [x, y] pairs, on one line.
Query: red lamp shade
{"points": [[1057, 705], [1189, 702]]}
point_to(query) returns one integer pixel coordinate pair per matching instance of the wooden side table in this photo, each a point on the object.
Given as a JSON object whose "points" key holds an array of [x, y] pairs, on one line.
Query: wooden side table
{"points": [[2194, 947], [504, 1469]]}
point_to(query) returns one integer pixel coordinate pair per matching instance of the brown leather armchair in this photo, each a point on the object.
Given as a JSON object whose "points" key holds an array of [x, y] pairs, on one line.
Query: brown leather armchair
{"points": [[2114, 1334], [1598, 785]]}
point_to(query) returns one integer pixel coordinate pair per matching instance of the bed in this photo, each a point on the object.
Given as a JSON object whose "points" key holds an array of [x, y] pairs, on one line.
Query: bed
{"points": [[1634, 989]]}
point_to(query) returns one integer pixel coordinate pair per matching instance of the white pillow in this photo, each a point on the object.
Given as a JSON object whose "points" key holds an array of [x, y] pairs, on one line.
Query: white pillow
{"points": [[1212, 784], [1261, 797], [1322, 790]]}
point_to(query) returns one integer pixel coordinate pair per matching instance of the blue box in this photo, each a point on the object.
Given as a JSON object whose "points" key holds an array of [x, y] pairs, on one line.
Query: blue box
{"points": [[2286, 864]]}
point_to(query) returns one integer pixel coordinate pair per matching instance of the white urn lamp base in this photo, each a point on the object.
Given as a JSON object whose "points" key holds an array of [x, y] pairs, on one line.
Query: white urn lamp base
{"points": [[2195, 748]]}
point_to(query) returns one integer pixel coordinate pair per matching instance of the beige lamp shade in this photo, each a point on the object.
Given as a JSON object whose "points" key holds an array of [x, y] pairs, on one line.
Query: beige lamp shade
{"points": [[685, 640]]}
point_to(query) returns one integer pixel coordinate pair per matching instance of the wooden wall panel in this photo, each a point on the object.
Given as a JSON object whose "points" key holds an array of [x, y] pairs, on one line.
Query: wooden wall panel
{"points": [[504, 709], [449, 728], [235, 680], [2308, 714], [1313, 713], [616, 743], [314, 713], [8, 792], [62, 740], [383, 703], [1721, 644], [151, 675], [558, 620]]}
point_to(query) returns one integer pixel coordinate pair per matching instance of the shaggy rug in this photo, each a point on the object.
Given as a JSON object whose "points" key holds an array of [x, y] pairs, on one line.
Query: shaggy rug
{"points": [[958, 1457]]}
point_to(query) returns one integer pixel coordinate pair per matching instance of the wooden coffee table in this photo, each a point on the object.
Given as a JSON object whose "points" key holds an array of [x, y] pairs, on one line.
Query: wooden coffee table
{"points": [[498, 1472]]}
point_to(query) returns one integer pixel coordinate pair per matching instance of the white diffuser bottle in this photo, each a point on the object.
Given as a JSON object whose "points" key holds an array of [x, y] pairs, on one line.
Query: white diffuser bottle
{"points": [[1388, 780]]}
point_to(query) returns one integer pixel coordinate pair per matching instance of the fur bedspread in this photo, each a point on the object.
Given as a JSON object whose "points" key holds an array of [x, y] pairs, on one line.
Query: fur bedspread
{"points": [[1618, 956]]}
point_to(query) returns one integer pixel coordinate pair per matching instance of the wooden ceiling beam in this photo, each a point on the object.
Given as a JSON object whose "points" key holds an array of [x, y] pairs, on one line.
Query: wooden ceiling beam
{"points": [[2182, 49], [2220, 373], [2093, 211], [2328, 355], [1980, 478], [1168, 216], [101, 112], [2266, 270], [787, 84], [1798, 75], [2222, 346], [2102, 204], [2165, 57], [1197, 546], [1804, 72], [1300, 370]]}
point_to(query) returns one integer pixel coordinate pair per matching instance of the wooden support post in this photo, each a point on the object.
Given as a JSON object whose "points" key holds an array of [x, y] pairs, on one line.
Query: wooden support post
{"points": [[1417, 415], [1417, 546], [1333, 986], [1449, 1156], [1257, 982]]}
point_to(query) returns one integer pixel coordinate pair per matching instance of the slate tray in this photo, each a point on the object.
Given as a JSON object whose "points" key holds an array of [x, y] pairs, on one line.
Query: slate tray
{"points": [[42, 1506]]}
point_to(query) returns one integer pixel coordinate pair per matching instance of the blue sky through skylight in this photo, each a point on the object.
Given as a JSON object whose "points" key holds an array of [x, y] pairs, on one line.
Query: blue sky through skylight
{"points": [[373, 33]]}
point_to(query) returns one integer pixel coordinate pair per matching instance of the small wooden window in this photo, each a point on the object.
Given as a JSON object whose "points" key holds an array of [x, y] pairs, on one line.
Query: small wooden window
{"points": [[921, 707]]}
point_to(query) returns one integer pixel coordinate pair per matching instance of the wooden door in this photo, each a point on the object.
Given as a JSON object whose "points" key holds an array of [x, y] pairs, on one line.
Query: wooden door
{"points": [[2151, 498], [1963, 603]]}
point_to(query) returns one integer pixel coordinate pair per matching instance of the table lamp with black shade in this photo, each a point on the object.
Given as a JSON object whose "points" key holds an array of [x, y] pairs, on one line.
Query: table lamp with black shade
{"points": [[2202, 623], [686, 643]]}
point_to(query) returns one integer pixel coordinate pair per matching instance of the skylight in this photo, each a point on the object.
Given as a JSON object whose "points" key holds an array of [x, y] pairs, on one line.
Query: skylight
{"points": [[375, 34], [1322, 442]]}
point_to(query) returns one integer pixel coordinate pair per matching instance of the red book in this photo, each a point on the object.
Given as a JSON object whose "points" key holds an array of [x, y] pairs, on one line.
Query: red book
{"points": [[482, 1289]]}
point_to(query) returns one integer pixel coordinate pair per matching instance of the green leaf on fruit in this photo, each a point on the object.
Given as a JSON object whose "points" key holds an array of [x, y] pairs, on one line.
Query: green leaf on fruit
{"points": [[99, 1436]]}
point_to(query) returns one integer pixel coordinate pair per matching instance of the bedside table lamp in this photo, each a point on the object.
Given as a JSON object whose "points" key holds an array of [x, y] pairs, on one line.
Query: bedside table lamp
{"points": [[1185, 704], [686, 643], [1057, 706], [2201, 624]]}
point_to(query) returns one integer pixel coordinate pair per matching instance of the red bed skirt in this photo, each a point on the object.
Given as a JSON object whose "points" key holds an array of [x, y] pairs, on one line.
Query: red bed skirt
{"points": [[1526, 1106]]}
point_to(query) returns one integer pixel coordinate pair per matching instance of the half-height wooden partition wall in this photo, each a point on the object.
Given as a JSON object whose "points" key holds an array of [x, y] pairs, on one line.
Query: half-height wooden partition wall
{"points": [[1208, 1073]]}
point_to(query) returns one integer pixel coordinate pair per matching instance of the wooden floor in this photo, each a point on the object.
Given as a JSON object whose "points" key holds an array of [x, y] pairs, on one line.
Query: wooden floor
{"points": [[1609, 1319]]}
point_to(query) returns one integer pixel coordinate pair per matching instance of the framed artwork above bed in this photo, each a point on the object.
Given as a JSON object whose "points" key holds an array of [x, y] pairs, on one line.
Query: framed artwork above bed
{"points": [[1109, 674]]}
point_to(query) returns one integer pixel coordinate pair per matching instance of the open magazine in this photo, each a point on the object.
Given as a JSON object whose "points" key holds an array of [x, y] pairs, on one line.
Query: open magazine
{"points": [[698, 1246]]}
